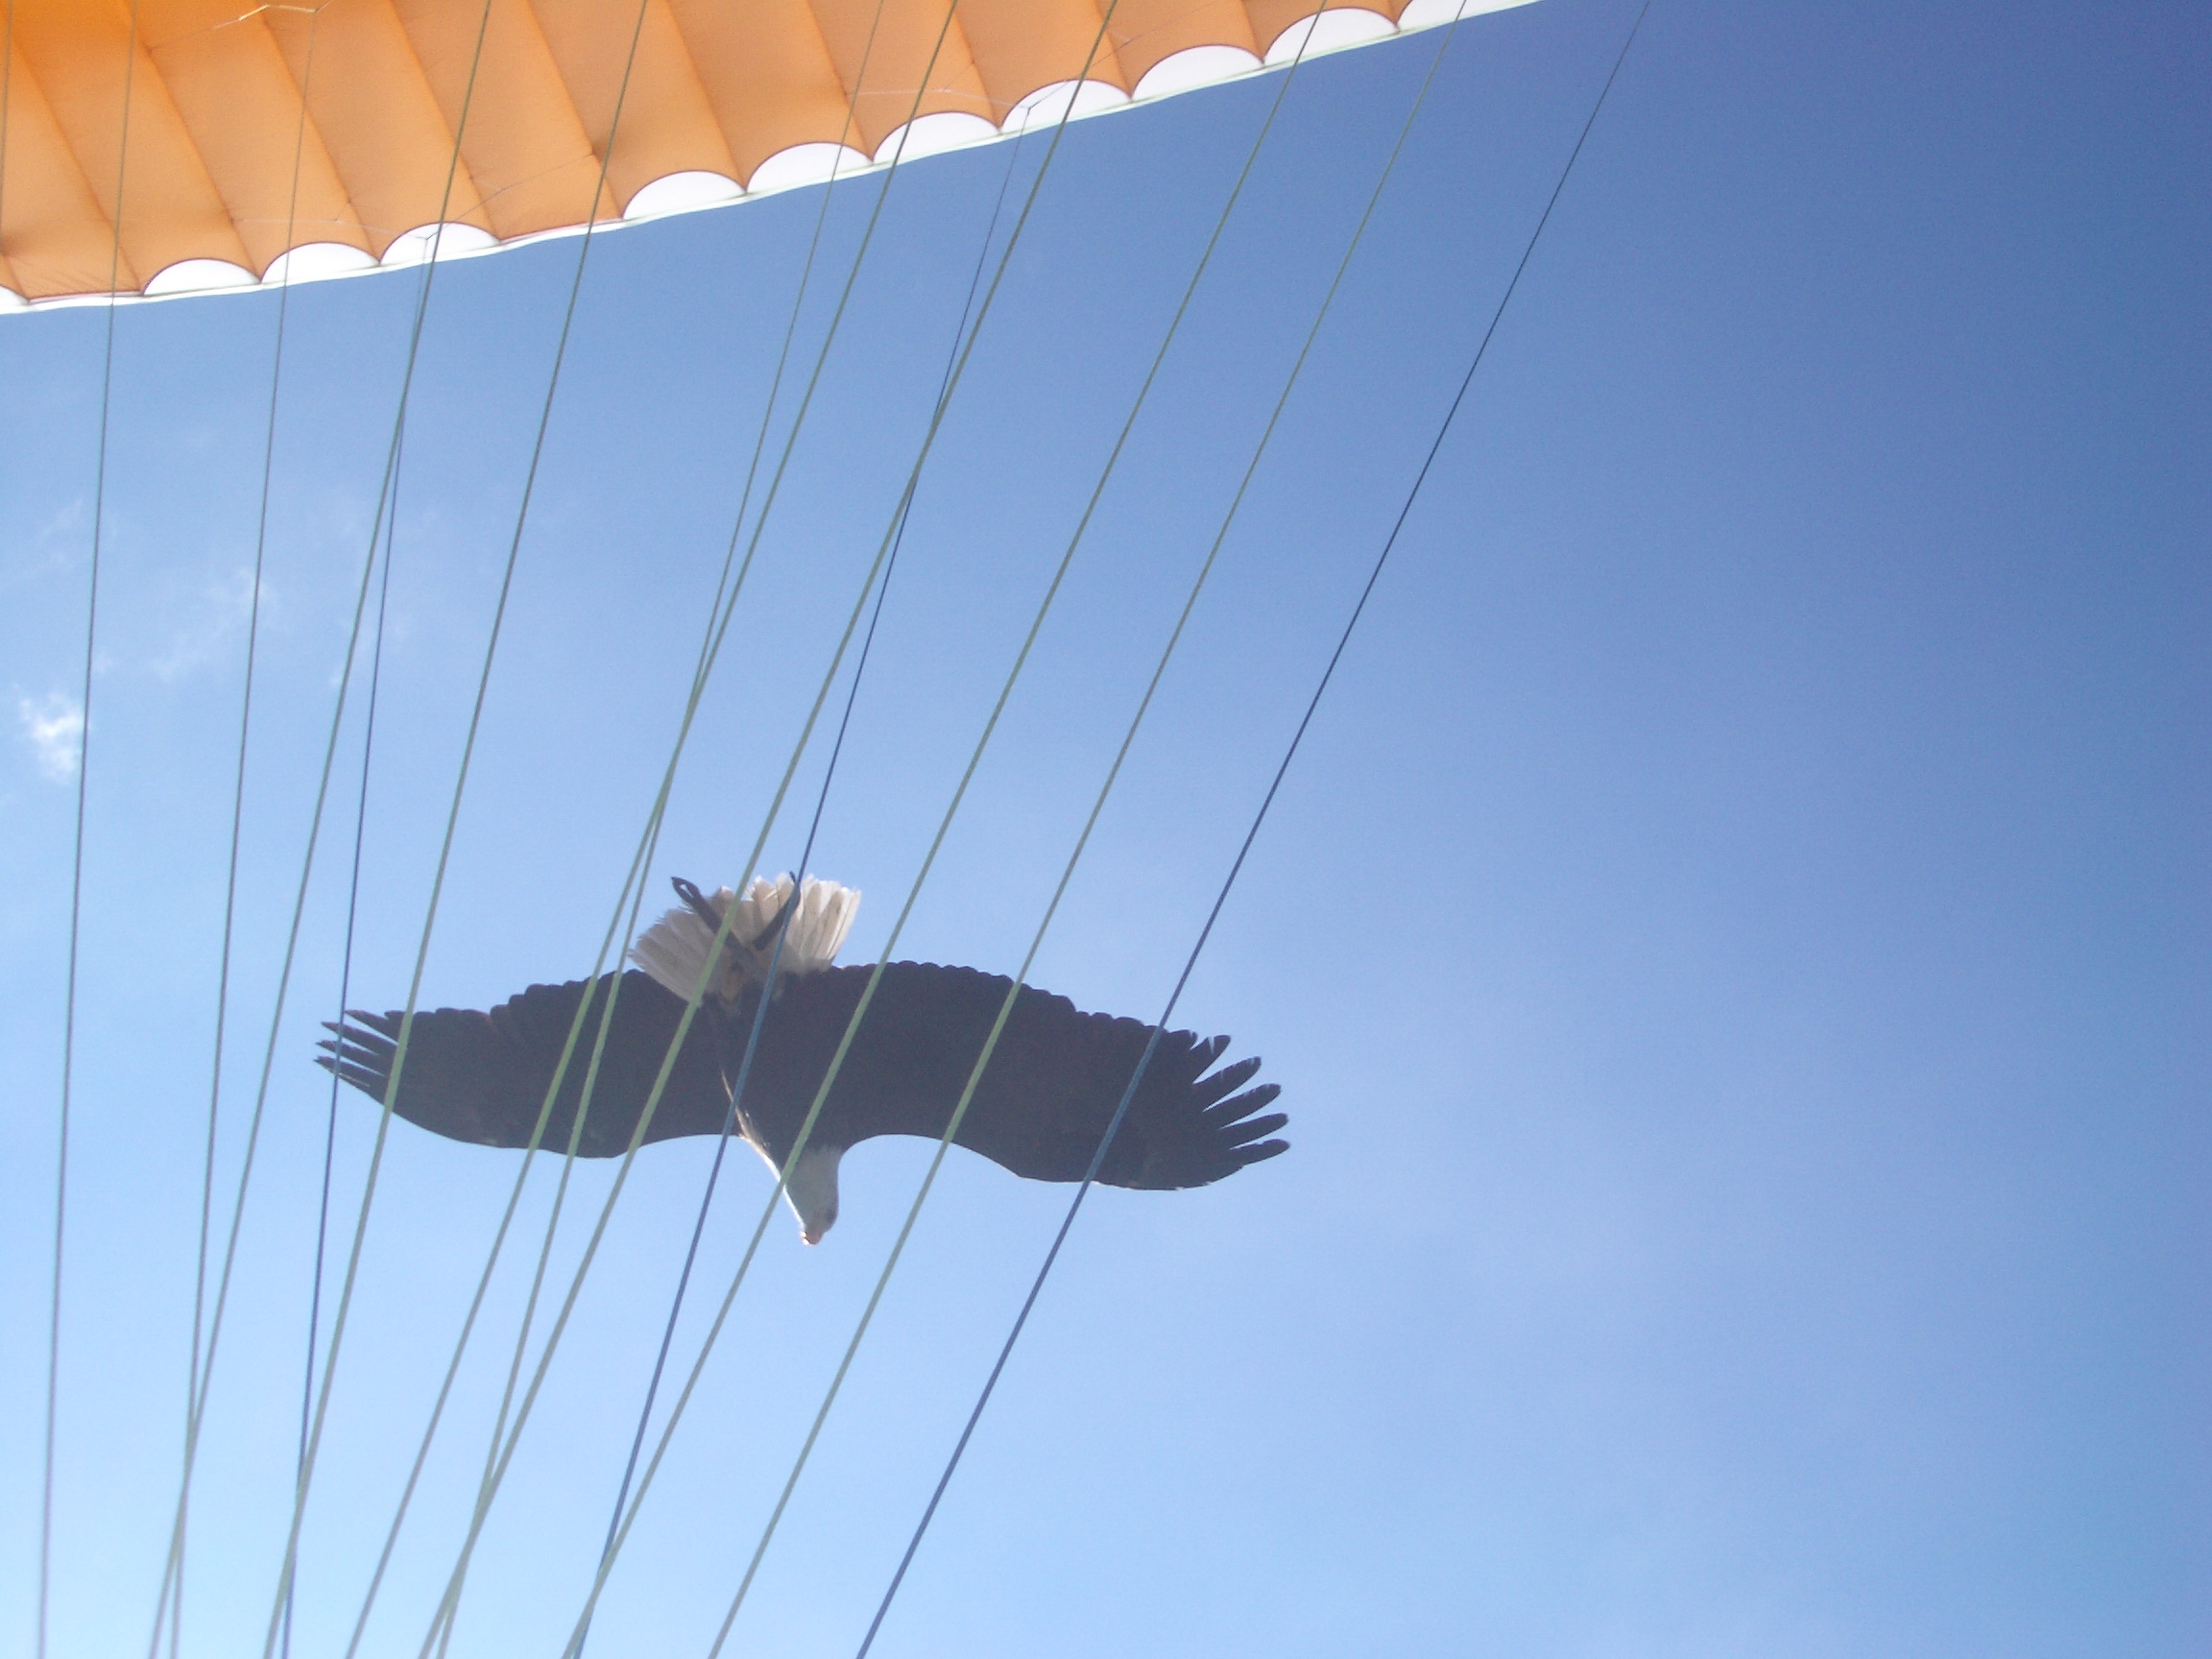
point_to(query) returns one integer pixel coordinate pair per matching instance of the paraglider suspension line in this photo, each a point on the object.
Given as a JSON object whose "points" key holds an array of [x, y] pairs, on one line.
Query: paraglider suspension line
{"points": [[77, 853], [775, 963], [345, 992], [1121, 1110]]}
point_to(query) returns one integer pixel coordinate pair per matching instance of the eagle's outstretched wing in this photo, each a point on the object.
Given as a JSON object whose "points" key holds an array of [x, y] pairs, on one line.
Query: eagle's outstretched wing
{"points": [[1047, 1094], [483, 1078], [1039, 1110]]}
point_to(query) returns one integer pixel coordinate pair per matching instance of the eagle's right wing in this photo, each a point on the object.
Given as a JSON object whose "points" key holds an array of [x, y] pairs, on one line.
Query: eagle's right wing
{"points": [[483, 1078]]}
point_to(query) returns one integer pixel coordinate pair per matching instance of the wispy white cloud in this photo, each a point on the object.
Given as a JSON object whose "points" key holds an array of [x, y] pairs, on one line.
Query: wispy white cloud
{"points": [[54, 726], [52, 548], [204, 626]]}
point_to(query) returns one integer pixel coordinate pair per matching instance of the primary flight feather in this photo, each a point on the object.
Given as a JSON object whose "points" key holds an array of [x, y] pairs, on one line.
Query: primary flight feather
{"points": [[1040, 1109]]}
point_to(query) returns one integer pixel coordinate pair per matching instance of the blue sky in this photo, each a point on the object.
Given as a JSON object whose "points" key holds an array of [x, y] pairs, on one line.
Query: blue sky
{"points": [[1734, 945]]}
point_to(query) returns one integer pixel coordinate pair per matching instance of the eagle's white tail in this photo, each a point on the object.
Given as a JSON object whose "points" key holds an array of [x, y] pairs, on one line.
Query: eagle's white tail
{"points": [[818, 928], [673, 950]]}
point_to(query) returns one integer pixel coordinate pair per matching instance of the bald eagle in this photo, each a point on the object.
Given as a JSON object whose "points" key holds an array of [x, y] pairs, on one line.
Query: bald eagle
{"points": [[1042, 1107]]}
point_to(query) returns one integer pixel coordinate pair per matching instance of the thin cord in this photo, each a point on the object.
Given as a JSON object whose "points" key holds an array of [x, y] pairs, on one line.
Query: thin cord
{"points": [[822, 799], [315, 822], [1121, 1110], [724, 600], [775, 962], [837, 1380], [1159, 672], [706, 645], [238, 806], [683, 1024], [720, 612], [576, 1642], [77, 856], [791, 327], [345, 988], [490, 1490], [805, 859], [638, 861], [443, 1622], [453, 820], [710, 655], [806, 1126]]}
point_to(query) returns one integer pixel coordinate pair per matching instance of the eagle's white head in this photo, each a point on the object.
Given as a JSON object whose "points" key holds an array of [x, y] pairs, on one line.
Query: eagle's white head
{"points": [[810, 1188]]}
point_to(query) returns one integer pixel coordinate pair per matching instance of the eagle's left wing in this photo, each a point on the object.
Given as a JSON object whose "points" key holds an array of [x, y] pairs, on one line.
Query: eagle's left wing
{"points": [[1048, 1093]]}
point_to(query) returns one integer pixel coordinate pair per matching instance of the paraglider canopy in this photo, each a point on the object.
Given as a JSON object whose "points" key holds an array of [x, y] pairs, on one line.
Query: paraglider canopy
{"points": [[291, 140]]}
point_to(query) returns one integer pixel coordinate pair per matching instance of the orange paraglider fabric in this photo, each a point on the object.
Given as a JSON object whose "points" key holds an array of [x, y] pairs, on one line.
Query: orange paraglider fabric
{"points": [[719, 86]]}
